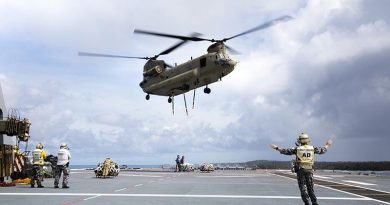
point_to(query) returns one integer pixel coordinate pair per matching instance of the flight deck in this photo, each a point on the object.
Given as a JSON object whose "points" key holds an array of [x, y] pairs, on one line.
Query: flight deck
{"points": [[219, 187]]}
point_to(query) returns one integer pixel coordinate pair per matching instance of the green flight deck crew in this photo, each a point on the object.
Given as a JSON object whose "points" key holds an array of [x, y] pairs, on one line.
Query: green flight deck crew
{"points": [[304, 154]]}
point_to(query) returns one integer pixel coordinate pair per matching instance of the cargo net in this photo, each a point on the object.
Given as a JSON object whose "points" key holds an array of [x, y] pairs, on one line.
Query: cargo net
{"points": [[107, 169], [206, 167]]}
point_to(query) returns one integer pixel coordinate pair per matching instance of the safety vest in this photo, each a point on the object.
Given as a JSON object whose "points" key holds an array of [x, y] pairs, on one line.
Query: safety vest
{"points": [[305, 156], [63, 157], [38, 156]]}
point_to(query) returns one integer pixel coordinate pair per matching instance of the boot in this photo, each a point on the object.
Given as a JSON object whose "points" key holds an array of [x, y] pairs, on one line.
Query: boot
{"points": [[32, 185], [56, 187], [65, 187], [40, 186]]}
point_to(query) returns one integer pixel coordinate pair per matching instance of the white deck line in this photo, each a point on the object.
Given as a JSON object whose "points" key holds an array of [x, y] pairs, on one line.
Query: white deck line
{"points": [[118, 190], [139, 175], [92, 197], [340, 190], [321, 177], [227, 176], [361, 183], [138, 185], [357, 186], [95, 195]]}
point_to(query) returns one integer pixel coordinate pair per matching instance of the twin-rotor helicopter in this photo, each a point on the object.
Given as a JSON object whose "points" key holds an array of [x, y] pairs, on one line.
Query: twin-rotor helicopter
{"points": [[160, 78]]}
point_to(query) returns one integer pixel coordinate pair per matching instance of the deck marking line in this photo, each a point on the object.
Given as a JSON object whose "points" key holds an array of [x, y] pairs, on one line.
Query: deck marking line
{"points": [[118, 190], [372, 199], [321, 177], [357, 186], [138, 185], [356, 182], [324, 187], [346, 184], [136, 175], [94, 195], [240, 176]]}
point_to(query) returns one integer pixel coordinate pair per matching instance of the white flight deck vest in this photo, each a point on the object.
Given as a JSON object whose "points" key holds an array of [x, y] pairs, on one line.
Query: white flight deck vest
{"points": [[63, 156], [305, 156]]}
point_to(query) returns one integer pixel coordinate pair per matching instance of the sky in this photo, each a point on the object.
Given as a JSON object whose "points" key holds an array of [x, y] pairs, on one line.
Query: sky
{"points": [[326, 73]]}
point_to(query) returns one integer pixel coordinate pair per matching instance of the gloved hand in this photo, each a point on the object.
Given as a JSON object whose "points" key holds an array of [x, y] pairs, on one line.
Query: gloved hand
{"points": [[329, 143], [273, 146]]}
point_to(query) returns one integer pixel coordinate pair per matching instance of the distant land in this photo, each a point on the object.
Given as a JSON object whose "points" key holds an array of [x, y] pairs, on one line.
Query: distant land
{"points": [[341, 165]]}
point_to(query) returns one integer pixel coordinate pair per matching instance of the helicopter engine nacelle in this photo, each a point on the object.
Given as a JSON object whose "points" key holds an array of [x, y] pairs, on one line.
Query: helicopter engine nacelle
{"points": [[153, 71]]}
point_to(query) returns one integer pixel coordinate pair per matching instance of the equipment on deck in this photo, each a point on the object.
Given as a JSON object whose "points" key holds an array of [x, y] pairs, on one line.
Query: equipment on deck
{"points": [[206, 167], [13, 162], [187, 167], [112, 170]]}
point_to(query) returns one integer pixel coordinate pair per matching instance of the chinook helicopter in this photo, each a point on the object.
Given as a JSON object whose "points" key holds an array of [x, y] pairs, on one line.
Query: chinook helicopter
{"points": [[198, 72]]}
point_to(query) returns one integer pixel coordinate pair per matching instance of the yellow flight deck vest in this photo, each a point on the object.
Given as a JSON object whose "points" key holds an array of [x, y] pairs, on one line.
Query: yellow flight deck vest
{"points": [[305, 156], [38, 156]]}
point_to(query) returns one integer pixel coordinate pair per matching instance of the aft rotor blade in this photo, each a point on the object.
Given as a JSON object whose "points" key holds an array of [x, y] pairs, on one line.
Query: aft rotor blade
{"points": [[109, 56], [168, 65], [172, 48], [262, 26], [184, 38], [177, 45]]}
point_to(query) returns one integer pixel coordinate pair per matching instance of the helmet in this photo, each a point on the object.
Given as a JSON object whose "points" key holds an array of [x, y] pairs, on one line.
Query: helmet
{"points": [[303, 139], [63, 145], [39, 146]]}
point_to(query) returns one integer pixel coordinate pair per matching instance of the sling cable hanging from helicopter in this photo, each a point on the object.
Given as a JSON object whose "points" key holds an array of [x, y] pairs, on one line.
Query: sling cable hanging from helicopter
{"points": [[193, 100], [173, 105], [185, 103]]}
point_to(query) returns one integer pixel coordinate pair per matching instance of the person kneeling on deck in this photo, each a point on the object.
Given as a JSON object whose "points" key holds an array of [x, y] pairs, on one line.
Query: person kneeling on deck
{"points": [[305, 160], [62, 166]]}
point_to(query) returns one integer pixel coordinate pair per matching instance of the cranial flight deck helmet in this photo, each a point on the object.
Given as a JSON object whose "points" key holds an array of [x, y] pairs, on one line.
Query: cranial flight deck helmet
{"points": [[63, 146], [303, 139], [39, 146]]}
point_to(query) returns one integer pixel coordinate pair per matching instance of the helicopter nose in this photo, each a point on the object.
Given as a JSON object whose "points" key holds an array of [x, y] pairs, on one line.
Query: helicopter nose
{"points": [[232, 63]]}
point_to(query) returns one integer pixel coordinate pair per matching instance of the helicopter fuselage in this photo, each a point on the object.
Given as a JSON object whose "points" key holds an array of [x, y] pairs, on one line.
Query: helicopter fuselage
{"points": [[195, 73]]}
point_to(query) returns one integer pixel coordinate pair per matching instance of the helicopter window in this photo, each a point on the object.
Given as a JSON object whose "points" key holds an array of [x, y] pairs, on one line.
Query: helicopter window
{"points": [[226, 56], [202, 62]]}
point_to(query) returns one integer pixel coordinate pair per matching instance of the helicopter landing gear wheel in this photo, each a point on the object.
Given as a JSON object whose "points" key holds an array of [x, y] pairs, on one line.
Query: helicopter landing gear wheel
{"points": [[169, 100], [207, 90], [147, 97]]}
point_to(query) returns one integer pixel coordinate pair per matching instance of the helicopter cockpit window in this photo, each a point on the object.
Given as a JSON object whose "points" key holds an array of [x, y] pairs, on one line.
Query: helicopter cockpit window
{"points": [[226, 56], [202, 62], [223, 55]]}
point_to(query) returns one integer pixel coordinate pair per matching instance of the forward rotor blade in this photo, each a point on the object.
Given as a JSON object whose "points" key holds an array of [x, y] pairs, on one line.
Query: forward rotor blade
{"points": [[184, 38], [232, 51], [262, 26], [109, 56]]}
